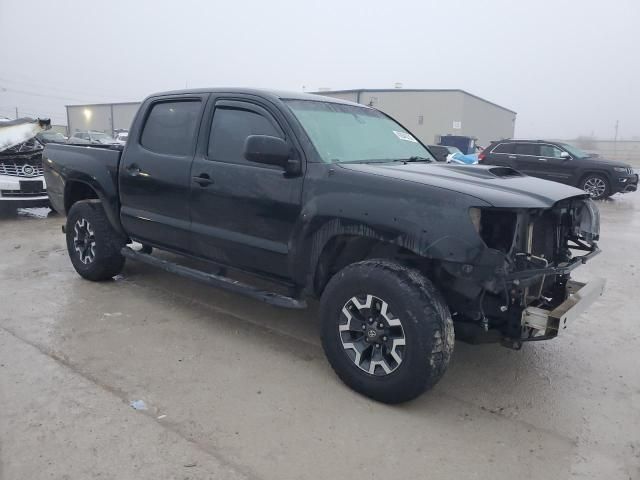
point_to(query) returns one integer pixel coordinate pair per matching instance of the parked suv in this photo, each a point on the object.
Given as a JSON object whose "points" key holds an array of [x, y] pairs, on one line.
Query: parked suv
{"points": [[563, 163]]}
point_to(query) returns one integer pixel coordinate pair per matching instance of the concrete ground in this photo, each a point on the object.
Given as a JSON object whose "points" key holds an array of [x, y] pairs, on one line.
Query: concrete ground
{"points": [[235, 389]]}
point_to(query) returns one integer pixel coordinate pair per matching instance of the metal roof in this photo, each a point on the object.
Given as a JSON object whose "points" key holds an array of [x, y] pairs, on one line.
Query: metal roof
{"points": [[423, 90], [299, 95], [103, 104]]}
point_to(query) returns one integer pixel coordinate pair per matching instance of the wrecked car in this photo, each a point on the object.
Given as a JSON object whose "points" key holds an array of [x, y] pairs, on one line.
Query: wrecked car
{"points": [[22, 183], [328, 199]]}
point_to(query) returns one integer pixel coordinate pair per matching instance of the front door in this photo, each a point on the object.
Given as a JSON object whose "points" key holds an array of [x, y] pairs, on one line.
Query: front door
{"points": [[243, 213], [558, 168], [154, 176]]}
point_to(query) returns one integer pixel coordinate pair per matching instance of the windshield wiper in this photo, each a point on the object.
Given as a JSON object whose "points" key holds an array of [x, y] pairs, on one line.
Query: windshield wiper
{"points": [[383, 160], [412, 159]]}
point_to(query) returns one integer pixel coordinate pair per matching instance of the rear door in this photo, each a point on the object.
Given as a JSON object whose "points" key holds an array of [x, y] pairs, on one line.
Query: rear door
{"points": [[243, 213], [528, 160], [501, 154], [154, 175]]}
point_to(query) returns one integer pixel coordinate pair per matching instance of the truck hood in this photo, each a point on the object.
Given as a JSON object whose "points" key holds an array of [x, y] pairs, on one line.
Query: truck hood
{"points": [[501, 187]]}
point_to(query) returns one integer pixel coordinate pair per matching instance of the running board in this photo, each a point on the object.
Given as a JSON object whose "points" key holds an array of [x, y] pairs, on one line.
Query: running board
{"points": [[219, 281]]}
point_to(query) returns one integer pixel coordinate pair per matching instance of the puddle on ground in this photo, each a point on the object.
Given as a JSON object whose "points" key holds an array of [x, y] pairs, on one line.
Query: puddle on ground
{"points": [[34, 212]]}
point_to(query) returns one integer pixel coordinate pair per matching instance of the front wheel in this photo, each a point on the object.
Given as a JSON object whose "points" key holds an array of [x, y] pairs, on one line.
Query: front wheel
{"points": [[386, 330], [93, 244], [596, 185]]}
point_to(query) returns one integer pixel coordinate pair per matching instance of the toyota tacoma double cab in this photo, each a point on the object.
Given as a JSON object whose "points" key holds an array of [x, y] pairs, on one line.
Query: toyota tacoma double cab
{"points": [[328, 199]]}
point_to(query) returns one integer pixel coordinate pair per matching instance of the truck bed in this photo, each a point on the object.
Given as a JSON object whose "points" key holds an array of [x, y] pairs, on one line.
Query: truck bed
{"points": [[95, 166]]}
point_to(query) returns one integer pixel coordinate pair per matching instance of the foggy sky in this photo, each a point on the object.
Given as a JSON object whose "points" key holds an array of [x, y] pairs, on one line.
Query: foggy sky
{"points": [[567, 67]]}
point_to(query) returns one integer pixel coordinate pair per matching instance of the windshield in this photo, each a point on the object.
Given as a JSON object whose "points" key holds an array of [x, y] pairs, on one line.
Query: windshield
{"points": [[574, 151], [347, 133]]}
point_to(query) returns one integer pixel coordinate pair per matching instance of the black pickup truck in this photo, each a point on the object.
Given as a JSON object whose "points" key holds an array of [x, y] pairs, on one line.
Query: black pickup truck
{"points": [[334, 200]]}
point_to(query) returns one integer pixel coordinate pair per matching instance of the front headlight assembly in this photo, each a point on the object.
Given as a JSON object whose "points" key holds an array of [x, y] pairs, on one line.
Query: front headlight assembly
{"points": [[587, 225], [496, 226]]}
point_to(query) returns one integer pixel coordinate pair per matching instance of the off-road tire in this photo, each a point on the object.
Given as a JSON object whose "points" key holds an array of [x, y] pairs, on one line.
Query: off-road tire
{"points": [[106, 260], [596, 179], [426, 323]]}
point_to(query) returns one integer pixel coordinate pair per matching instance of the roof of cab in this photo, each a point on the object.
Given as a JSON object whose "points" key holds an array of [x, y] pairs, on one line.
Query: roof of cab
{"points": [[264, 93]]}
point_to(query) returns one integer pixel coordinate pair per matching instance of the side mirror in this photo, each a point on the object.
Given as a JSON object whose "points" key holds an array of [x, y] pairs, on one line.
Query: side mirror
{"points": [[270, 151], [565, 155]]}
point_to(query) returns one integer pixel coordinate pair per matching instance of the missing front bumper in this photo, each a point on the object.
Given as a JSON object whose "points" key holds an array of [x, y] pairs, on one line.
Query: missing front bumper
{"points": [[549, 323]]}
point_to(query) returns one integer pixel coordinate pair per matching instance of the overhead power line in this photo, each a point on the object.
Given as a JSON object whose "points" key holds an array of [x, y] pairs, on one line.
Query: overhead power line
{"points": [[42, 86], [36, 94]]}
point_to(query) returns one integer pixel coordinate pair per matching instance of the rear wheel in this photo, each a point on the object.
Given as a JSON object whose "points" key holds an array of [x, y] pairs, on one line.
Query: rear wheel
{"points": [[596, 185], [386, 330], [93, 245]]}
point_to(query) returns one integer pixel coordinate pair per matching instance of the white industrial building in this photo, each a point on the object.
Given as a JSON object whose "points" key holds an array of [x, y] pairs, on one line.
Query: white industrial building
{"points": [[103, 117], [428, 114]]}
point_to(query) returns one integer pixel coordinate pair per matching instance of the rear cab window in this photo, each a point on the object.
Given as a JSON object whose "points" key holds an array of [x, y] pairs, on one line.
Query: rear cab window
{"points": [[170, 127], [503, 148]]}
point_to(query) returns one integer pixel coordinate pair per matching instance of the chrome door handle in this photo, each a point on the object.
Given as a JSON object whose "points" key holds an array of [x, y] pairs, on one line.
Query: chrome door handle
{"points": [[512, 157], [543, 159]]}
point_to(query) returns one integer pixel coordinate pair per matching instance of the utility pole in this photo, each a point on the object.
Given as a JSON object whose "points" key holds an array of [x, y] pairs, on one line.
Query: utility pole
{"points": [[16, 113], [615, 141]]}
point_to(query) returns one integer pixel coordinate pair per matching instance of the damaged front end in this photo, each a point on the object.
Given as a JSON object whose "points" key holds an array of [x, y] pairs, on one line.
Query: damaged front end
{"points": [[520, 288], [21, 173]]}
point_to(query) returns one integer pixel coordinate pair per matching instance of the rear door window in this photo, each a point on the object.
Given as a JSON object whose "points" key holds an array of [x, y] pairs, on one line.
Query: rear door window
{"points": [[230, 129], [503, 148], [171, 127], [527, 149]]}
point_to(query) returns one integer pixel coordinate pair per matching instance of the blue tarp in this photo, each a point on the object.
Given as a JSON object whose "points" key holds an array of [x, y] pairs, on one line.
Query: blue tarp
{"points": [[461, 159]]}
